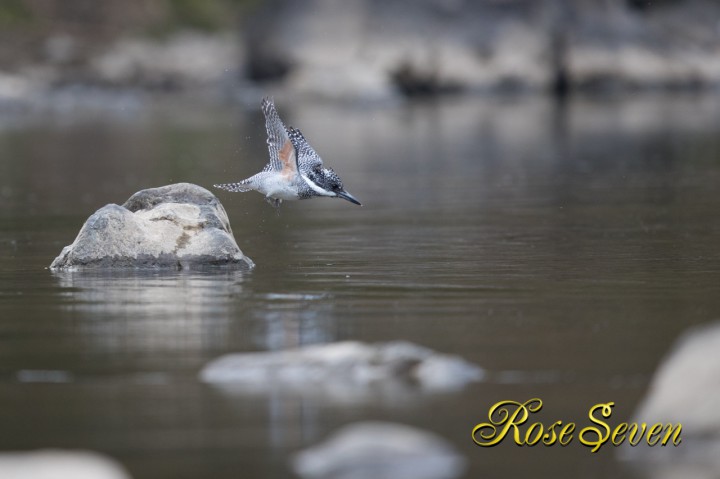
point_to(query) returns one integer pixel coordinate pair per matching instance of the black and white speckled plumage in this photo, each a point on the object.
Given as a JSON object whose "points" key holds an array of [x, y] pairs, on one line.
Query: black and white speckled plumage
{"points": [[295, 171], [310, 165]]}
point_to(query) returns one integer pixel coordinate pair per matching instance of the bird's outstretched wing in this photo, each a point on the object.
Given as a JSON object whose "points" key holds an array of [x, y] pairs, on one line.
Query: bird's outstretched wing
{"points": [[308, 159], [282, 151]]}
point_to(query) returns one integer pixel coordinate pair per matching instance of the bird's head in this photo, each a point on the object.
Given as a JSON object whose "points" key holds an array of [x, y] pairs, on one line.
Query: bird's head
{"points": [[327, 183]]}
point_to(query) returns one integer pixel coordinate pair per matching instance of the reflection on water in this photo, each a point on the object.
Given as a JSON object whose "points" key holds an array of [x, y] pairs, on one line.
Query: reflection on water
{"points": [[287, 320], [168, 310], [151, 311], [561, 247], [130, 293]]}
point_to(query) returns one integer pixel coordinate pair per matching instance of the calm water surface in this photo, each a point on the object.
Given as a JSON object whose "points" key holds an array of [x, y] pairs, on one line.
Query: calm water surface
{"points": [[562, 247]]}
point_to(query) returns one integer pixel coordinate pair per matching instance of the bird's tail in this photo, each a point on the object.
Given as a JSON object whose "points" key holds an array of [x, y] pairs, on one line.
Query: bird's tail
{"points": [[240, 187]]}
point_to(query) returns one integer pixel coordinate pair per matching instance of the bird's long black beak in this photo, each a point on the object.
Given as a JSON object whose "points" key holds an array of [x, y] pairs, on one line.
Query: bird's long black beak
{"points": [[347, 196]]}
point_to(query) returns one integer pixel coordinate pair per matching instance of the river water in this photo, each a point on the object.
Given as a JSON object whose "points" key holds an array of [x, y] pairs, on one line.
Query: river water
{"points": [[563, 247]]}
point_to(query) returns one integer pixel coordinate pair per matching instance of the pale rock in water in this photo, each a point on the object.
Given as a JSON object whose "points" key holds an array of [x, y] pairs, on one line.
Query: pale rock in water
{"points": [[348, 364], [380, 450], [59, 464], [177, 226], [684, 390]]}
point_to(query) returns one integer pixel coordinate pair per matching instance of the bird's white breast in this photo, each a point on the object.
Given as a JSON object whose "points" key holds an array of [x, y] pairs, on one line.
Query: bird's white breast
{"points": [[277, 186]]}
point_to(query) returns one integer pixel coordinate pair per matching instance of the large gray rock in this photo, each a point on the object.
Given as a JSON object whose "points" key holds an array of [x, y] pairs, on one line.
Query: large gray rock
{"points": [[57, 464], [381, 451], [176, 226], [684, 390], [348, 365]]}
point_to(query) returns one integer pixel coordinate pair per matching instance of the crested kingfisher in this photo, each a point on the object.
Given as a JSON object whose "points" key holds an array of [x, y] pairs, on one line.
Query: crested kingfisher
{"points": [[295, 171]]}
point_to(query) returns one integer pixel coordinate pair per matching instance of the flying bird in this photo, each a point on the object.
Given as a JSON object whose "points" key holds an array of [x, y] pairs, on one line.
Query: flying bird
{"points": [[295, 171]]}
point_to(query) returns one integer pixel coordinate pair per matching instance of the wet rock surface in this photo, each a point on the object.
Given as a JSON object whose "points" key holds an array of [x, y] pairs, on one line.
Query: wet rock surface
{"points": [[177, 226], [380, 450], [345, 365], [59, 464]]}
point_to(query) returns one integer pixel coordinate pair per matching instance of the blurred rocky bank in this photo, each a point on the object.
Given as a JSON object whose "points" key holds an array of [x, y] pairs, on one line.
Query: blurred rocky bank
{"points": [[365, 50]]}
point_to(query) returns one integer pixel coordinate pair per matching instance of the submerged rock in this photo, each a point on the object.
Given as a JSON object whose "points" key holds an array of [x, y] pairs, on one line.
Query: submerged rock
{"points": [[685, 390], [57, 464], [351, 365], [380, 450], [175, 226]]}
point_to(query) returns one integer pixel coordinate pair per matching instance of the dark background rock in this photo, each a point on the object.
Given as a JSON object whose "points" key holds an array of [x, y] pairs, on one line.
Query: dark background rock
{"points": [[373, 49], [360, 49]]}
